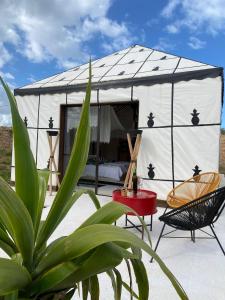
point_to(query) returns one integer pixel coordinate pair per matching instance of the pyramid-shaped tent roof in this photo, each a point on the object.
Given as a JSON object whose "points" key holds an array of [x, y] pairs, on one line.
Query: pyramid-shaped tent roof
{"points": [[135, 62]]}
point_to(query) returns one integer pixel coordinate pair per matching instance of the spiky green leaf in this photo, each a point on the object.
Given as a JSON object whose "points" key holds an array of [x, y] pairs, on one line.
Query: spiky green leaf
{"points": [[90, 237], [76, 165], [17, 221], [26, 178], [12, 276], [141, 278]]}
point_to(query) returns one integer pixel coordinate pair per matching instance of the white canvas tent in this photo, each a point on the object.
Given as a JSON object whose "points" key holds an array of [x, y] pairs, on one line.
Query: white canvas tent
{"points": [[180, 102]]}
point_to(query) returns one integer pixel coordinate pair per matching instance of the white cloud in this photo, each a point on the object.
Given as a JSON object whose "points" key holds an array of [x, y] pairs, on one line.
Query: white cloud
{"points": [[172, 28], [196, 43], [169, 8], [5, 120], [52, 29], [203, 15], [5, 116], [4, 55], [152, 22], [164, 44], [7, 75]]}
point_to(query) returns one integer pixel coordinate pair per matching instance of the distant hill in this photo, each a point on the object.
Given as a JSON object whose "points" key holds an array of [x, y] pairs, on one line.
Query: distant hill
{"points": [[6, 146]]}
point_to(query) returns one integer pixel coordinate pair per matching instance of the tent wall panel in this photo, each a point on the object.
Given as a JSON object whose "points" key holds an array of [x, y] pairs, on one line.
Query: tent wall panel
{"points": [[28, 107], [155, 99], [49, 107], [115, 95], [12, 178], [33, 144], [32, 132], [195, 146], [160, 187], [33, 140], [202, 95], [13, 155], [155, 150], [78, 97]]}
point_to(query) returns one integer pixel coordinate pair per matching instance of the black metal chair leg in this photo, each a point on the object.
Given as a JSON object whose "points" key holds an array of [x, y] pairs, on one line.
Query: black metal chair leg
{"points": [[157, 244], [142, 233], [217, 239], [165, 210], [193, 236], [151, 223], [125, 220]]}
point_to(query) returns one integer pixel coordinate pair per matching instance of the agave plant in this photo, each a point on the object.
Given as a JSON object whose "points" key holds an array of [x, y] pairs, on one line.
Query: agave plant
{"points": [[37, 269]]}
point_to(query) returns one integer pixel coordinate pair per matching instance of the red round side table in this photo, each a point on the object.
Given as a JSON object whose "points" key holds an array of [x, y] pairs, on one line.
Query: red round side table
{"points": [[143, 202]]}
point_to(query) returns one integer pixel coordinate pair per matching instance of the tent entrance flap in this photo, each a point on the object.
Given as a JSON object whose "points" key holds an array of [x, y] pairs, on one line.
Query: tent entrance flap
{"points": [[108, 158]]}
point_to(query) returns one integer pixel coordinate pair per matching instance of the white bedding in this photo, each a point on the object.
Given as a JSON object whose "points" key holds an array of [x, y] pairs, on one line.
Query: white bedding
{"points": [[112, 170]]}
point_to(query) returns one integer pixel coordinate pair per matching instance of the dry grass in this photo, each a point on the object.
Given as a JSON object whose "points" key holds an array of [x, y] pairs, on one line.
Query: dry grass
{"points": [[5, 152]]}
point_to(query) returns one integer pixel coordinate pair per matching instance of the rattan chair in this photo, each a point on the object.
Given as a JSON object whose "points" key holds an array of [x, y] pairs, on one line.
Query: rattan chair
{"points": [[193, 188], [195, 215]]}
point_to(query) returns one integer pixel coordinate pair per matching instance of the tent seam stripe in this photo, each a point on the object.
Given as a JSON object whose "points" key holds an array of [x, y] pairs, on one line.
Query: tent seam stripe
{"points": [[143, 63], [114, 64]]}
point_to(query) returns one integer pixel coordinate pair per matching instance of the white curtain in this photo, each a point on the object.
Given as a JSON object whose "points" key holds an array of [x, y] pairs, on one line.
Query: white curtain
{"points": [[109, 122]]}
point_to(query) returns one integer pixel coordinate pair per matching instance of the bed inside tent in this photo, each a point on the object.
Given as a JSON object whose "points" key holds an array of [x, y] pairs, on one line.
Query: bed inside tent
{"points": [[109, 155]]}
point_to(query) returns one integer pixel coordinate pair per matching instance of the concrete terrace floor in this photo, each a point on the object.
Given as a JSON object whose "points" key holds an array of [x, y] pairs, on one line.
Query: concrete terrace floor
{"points": [[199, 267]]}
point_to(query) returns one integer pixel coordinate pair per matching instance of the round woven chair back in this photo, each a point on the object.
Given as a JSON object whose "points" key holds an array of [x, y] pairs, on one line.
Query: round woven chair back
{"points": [[193, 188], [198, 213]]}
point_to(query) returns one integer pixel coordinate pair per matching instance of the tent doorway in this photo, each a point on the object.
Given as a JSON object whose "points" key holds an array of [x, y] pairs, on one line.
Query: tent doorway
{"points": [[109, 156]]}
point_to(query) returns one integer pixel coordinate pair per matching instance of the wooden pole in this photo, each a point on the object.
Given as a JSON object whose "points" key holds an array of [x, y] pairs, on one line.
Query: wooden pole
{"points": [[133, 162], [52, 162]]}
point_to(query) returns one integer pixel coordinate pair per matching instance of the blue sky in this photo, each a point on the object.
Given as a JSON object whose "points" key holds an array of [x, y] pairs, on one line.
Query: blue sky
{"points": [[41, 38]]}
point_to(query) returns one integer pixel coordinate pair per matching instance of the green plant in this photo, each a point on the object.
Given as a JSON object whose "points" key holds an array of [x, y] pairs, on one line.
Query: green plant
{"points": [[35, 270]]}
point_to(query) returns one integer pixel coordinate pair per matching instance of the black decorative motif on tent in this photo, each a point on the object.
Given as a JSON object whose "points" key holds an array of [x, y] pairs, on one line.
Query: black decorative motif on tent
{"points": [[50, 124], [196, 170], [195, 119], [25, 121], [162, 58], [121, 73], [102, 65], [141, 50], [131, 62], [150, 120], [151, 173], [155, 69]]}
